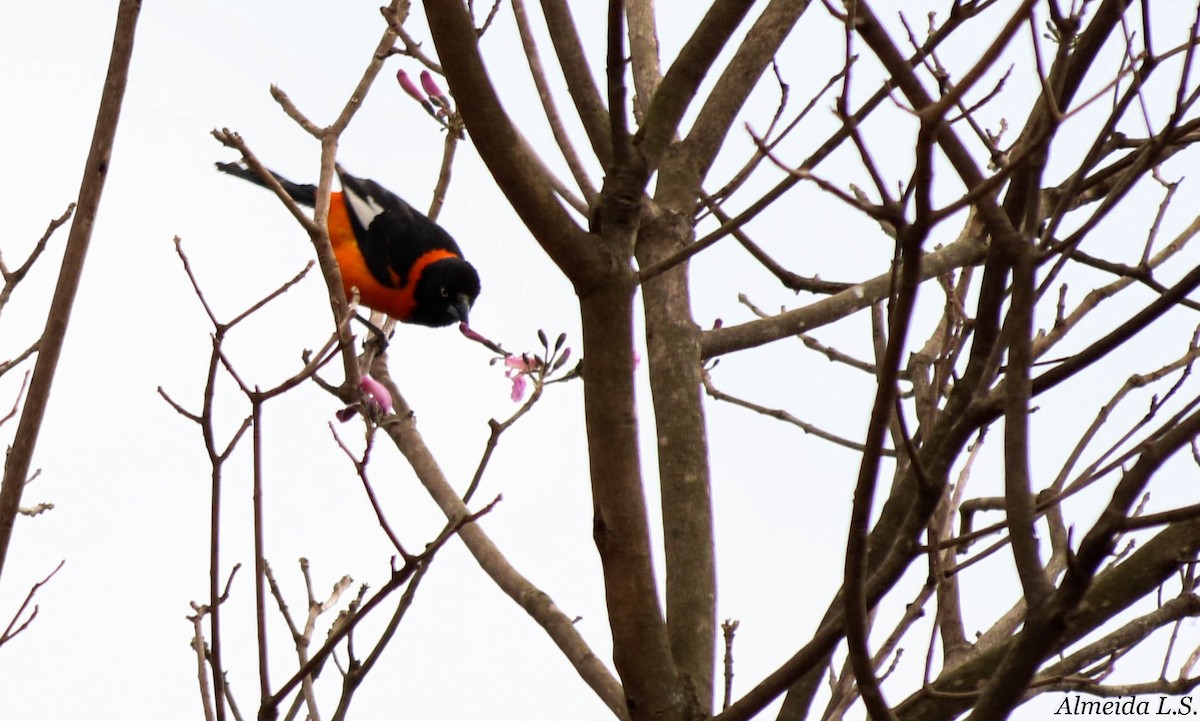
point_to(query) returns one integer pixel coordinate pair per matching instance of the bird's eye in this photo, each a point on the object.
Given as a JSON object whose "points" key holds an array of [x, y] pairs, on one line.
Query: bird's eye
{"points": [[445, 294]]}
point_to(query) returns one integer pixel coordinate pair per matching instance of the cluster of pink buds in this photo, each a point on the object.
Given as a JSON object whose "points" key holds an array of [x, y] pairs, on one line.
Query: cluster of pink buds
{"points": [[523, 366], [429, 95]]}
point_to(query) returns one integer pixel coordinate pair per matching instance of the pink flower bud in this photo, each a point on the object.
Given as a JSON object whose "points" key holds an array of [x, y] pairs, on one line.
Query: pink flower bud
{"points": [[429, 84], [378, 397], [410, 87], [466, 330], [562, 359], [436, 95]]}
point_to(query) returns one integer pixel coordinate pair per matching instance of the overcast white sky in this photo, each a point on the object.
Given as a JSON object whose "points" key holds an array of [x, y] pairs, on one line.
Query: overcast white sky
{"points": [[129, 477]]}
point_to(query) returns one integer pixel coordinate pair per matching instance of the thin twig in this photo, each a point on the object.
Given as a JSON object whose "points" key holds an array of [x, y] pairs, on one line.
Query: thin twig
{"points": [[782, 415], [728, 629], [13, 630], [360, 467], [13, 277]]}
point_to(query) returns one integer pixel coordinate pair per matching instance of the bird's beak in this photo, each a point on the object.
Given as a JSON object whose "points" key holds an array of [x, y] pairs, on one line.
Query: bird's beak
{"points": [[462, 308]]}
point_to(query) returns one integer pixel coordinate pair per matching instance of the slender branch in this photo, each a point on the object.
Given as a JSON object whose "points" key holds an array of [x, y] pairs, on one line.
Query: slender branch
{"points": [[260, 560], [292, 111], [402, 430], [754, 54], [233, 140], [966, 251], [728, 629], [16, 467], [644, 54], [506, 153], [984, 64], [355, 676], [546, 95], [359, 94], [497, 429], [786, 417], [580, 83], [738, 180], [678, 87], [910, 239], [360, 467], [1018, 494], [731, 226], [14, 277], [618, 123], [1044, 626], [13, 630], [412, 48], [8, 365]]}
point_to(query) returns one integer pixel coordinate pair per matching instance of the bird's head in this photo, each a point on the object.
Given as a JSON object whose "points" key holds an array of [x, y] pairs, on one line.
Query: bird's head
{"points": [[445, 293]]}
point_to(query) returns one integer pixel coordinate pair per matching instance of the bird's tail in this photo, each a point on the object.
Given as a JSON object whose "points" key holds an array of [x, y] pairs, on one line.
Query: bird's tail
{"points": [[302, 194]]}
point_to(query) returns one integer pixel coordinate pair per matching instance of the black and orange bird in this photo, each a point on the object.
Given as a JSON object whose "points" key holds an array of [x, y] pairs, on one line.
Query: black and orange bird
{"points": [[401, 262]]}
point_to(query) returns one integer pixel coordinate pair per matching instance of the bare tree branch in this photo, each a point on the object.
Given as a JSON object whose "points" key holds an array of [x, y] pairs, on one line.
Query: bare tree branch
{"points": [[95, 172]]}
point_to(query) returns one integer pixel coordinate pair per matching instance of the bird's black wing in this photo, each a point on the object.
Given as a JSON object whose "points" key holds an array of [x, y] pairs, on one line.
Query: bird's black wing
{"points": [[391, 234]]}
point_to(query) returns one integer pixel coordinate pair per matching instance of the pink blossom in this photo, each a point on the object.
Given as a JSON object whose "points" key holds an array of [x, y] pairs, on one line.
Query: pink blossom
{"points": [[519, 368], [523, 363], [518, 389]]}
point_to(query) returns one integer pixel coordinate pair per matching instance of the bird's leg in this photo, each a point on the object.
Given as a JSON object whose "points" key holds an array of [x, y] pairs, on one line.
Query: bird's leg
{"points": [[380, 338]]}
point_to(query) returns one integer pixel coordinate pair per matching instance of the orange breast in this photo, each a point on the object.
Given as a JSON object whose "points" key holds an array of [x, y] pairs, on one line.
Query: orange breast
{"points": [[397, 302]]}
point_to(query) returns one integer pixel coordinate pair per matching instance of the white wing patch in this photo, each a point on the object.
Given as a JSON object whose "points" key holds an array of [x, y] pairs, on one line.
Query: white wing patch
{"points": [[365, 209]]}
